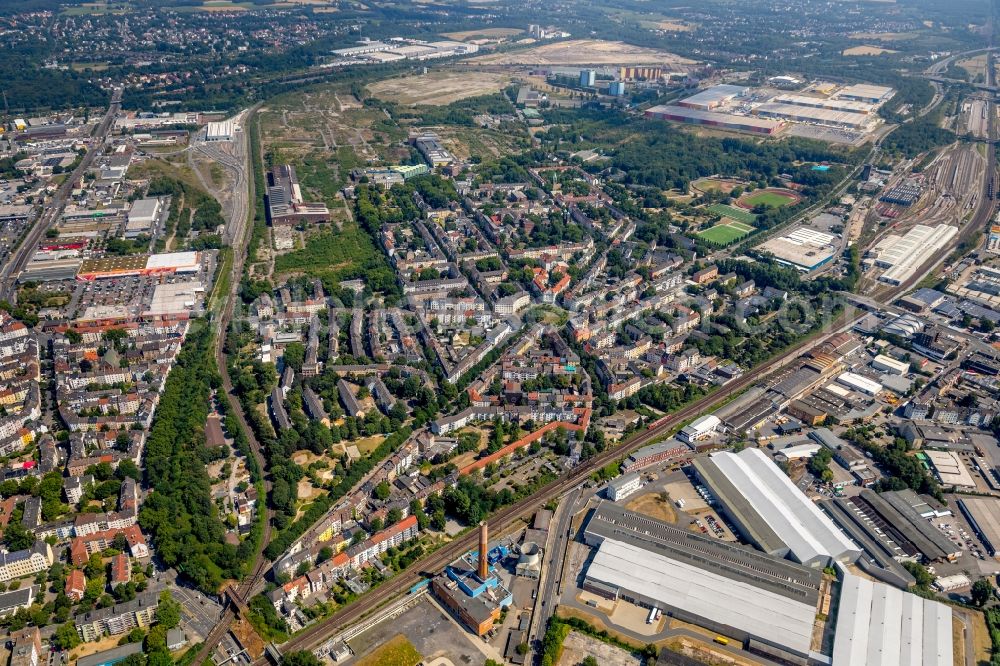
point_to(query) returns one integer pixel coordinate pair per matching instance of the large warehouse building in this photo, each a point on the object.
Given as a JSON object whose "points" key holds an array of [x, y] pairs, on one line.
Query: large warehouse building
{"points": [[825, 103], [813, 115], [879, 624], [140, 264], [726, 121], [904, 255], [862, 92], [714, 97], [803, 248], [770, 511], [983, 514], [768, 603]]}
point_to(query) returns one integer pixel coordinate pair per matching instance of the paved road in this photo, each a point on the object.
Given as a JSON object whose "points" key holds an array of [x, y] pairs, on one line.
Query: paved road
{"points": [[553, 562], [54, 208], [319, 632]]}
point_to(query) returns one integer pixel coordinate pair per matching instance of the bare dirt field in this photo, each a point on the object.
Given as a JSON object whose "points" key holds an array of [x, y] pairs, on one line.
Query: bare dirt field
{"points": [[654, 506], [484, 33], [439, 88], [975, 65], [674, 26], [884, 36], [585, 52], [577, 646], [866, 50]]}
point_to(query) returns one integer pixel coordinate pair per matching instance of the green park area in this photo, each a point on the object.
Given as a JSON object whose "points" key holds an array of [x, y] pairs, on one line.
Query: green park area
{"points": [[733, 213], [725, 233]]}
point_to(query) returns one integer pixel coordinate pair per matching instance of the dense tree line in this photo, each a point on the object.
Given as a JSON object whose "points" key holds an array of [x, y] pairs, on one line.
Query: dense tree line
{"points": [[320, 506], [180, 514]]}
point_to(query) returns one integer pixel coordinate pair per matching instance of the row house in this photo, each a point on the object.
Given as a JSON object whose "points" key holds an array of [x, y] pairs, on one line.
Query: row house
{"points": [[25, 562], [118, 619], [82, 547], [381, 541]]}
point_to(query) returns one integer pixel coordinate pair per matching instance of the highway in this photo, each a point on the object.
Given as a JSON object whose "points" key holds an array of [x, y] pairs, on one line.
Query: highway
{"points": [[54, 208]]}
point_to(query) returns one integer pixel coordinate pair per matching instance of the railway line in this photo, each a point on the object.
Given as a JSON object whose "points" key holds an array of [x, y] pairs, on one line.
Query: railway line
{"points": [[240, 235], [315, 635]]}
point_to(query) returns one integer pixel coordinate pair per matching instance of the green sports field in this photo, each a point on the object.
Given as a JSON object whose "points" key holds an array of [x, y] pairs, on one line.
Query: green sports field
{"points": [[733, 213], [769, 198], [724, 234]]}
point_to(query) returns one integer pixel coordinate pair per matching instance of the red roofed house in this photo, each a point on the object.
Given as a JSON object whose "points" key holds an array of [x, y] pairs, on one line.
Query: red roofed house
{"points": [[76, 585], [121, 570]]}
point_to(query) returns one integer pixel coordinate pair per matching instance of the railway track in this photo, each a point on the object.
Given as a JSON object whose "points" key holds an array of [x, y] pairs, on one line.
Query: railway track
{"points": [[317, 634], [245, 590]]}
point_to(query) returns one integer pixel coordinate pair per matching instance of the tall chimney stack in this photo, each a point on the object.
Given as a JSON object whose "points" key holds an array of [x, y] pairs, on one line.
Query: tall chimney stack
{"points": [[484, 567]]}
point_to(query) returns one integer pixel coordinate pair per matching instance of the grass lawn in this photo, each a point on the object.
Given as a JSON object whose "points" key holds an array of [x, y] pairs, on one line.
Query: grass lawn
{"points": [[397, 651], [733, 213], [724, 234], [337, 253], [769, 199]]}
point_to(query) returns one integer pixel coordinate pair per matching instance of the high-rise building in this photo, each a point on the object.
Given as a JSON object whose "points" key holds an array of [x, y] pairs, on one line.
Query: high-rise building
{"points": [[616, 88], [587, 78]]}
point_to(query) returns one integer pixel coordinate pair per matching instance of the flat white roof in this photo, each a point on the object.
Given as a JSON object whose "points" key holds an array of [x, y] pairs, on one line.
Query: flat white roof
{"points": [[757, 611], [813, 114], [704, 423], [912, 250], [715, 94], [863, 384], [173, 260], [889, 362], [809, 534], [144, 209], [865, 90], [879, 624], [950, 468]]}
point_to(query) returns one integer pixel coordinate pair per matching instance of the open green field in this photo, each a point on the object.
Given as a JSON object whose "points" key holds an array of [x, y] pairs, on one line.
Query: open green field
{"points": [[339, 253], [733, 213], [724, 185], [770, 198], [724, 234], [398, 651]]}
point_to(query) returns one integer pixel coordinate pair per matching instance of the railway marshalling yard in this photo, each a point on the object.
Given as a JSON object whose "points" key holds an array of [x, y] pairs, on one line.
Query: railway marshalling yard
{"points": [[951, 186]]}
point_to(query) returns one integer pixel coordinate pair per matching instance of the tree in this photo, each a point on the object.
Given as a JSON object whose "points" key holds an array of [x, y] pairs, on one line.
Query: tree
{"points": [[300, 658], [295, 355], [168, 614], [66, 637], [382, 491], [95, 566], [17, 537], [589, 661], [981, 591]]}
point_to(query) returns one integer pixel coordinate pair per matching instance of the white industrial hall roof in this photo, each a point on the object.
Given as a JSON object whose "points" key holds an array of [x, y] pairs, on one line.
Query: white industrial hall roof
{"points": [[879, 624], [809, 534], [759, 612]]}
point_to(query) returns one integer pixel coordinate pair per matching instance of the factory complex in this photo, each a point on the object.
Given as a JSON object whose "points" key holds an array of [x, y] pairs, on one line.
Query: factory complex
{"points": [[770, 603], [802, 248], [778, 609], [725, 121], [399, 48], [879, 624], [902, 256], [743, 109], [768, 510]]}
